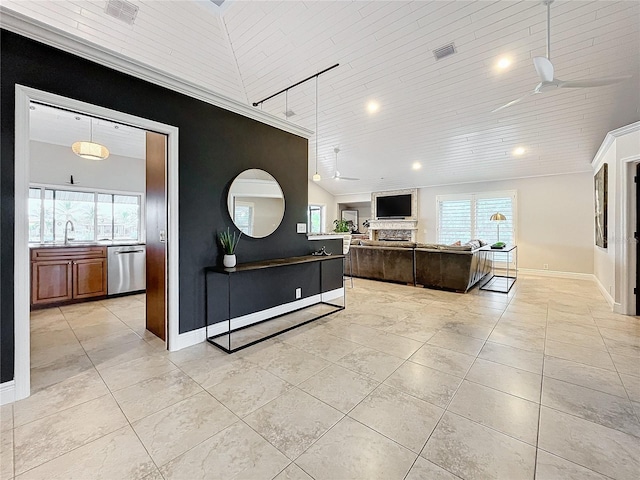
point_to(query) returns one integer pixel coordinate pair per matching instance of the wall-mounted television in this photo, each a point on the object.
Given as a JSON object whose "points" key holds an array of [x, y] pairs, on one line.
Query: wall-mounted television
{"points": [[393, 206]]}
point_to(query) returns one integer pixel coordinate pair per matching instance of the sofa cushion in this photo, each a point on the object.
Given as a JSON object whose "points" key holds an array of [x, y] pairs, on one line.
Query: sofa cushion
{"points": [[431, 246], [456, 248], [474, 244], [382, 243]]}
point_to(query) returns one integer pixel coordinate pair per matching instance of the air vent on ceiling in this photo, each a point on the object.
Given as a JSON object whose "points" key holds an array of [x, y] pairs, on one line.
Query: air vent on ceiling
{"points": [[122, 10], [444, 51]]}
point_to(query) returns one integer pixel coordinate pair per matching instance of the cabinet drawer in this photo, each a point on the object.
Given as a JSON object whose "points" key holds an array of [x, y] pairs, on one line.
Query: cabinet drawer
{"points": [[55, 253]]}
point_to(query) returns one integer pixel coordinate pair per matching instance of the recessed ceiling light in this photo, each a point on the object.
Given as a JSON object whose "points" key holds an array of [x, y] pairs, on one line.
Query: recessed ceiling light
{"points": [[503, 63], [416, 166], [519, 151], [373, 107]]}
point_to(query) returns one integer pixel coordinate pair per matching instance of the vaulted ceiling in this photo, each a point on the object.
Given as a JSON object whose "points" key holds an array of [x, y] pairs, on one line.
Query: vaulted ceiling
{"points": [[435, 113]]}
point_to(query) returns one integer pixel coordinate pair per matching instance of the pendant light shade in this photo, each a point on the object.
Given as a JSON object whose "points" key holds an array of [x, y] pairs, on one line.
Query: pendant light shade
{"points": [[316, 176], [90, 150]]}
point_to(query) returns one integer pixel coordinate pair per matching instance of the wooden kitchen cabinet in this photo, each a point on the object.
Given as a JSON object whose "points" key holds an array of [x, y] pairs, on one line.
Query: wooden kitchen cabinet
{"points": [[89, 277], [66, 274]]}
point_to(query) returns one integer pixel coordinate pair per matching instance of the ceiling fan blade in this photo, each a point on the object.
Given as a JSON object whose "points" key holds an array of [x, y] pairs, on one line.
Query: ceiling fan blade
{"points": [[544, 68], [512, 102], [594, 82], [337, 176]]}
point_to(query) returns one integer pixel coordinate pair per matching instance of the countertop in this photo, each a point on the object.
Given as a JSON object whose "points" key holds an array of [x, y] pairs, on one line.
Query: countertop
{"points": [[105, 243], [325, 236]]}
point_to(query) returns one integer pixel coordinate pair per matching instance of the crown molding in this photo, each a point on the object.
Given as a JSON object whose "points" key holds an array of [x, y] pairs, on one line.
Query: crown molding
{"points": [[36, 30], [611, 137]]}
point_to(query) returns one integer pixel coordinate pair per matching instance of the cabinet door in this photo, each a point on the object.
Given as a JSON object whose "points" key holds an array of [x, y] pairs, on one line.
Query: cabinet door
{"points": [[51, 281], [89, 278]]}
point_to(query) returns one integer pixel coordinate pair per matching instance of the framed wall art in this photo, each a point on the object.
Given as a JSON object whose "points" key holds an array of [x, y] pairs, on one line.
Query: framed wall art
{"points": [[600, 184]]}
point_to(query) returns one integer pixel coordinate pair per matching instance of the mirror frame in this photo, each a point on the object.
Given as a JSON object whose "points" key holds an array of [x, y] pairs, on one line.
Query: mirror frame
{"points": [[231, 199]]}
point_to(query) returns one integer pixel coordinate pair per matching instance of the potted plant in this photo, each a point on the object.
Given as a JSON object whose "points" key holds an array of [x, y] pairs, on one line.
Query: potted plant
{"points": [[341, 226], [229, 242]]}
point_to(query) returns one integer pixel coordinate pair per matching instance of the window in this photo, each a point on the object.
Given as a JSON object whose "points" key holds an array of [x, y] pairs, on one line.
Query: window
{"points": [[243, 217], [95, 215], [315, 216], [467, 217]]}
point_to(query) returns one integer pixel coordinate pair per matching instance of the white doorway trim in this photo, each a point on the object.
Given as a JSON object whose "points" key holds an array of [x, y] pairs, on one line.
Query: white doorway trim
{"points": [[627, 250], [24, 95]]}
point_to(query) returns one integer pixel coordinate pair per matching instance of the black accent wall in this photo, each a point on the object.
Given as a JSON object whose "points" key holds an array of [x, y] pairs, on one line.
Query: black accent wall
{"points": [[214, 146]]}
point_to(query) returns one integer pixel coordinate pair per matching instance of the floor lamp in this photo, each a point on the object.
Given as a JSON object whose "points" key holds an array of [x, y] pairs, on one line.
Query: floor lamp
{"points": [[498, 217]]}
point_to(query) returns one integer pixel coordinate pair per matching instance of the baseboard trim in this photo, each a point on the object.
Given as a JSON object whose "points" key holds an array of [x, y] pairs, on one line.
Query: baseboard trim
{"points": [[7, 392], [556, 274], [194, 337], [605, 293]]}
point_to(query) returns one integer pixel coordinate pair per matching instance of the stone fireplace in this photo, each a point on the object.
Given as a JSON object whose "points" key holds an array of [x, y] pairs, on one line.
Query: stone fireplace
{"points": [[396, 229], [394, 235]]}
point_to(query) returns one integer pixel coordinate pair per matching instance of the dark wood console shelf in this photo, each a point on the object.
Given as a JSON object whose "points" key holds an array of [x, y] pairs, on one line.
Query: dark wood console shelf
{"points": [[255, 301]]}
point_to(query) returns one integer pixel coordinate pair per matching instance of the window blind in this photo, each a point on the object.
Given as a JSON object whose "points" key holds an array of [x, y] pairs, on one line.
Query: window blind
{"points": [[455, 221], [488, 230], [467, 217]]}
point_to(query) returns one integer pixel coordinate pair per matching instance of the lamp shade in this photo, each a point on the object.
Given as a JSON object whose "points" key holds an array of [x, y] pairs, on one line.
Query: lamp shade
{"points": [[90, 150], [317, 177], [498, 217]]}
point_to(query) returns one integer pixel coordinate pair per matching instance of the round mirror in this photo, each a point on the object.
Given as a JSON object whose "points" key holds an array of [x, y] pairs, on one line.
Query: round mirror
{"points": [[256, 203]]}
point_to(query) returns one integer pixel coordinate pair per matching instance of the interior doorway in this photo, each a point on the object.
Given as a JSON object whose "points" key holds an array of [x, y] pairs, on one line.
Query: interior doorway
{"points": [[164, 288]]}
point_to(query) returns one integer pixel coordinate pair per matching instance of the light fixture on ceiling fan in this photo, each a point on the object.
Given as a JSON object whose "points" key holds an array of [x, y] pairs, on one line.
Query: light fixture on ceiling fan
{"points": [[90, 150], [336, 173], [316, 176], [545, 71]]}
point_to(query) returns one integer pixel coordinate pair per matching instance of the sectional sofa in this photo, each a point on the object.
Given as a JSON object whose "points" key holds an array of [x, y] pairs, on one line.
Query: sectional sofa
{"points": [[447, 267]]}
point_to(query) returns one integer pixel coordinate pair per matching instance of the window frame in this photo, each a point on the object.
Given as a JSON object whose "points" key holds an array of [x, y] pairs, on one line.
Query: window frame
{"points": [[323, 209], [480, 195], [142, 234], [252, 208]]}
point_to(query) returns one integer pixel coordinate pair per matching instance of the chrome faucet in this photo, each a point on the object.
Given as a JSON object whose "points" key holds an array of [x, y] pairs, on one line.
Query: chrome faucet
{"points": [[66, 231]]}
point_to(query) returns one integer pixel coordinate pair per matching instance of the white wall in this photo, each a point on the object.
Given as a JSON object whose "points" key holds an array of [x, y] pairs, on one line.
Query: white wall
{"points": [[554, 219], [54, 164], [604, 258], [319, 196], [614, 267]]}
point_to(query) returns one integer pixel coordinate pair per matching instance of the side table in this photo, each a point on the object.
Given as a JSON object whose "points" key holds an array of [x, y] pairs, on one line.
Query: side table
{"points": [[502, 283]]}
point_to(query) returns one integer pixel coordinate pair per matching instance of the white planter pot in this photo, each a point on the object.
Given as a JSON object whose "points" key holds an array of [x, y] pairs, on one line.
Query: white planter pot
{"points": [[229, 261]]}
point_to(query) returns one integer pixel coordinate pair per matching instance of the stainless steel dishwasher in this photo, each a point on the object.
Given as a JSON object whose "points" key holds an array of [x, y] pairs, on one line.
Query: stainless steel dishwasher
{"points": [[126, 269]]}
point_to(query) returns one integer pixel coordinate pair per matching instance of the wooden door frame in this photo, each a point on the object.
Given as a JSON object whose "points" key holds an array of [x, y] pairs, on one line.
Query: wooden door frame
{"points": [[24, 95]]}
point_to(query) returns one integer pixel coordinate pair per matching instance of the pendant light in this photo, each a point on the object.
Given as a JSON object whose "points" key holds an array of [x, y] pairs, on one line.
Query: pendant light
{"points": [[316, 176], [90, 150]]}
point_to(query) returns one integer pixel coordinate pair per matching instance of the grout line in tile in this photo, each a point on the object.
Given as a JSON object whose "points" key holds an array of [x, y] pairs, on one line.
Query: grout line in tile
{"points": [[535, 460]]}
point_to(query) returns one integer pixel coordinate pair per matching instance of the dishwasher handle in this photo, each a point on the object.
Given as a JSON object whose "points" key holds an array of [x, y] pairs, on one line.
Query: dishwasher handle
{"points": [[130, 251]]}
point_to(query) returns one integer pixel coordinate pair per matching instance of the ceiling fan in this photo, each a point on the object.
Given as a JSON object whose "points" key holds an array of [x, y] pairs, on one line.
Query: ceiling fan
{"points": [[545, 71], [336, 173]]}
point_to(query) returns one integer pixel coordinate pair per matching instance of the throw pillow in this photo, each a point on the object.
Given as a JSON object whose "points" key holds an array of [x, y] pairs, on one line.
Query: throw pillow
{"points": [[456, 244]]}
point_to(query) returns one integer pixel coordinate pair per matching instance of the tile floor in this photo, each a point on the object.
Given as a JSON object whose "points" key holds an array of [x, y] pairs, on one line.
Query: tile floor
{"points": [[406, 383]]}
